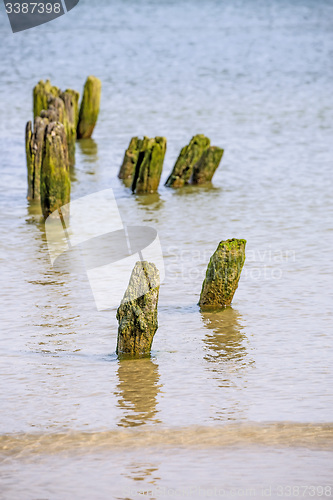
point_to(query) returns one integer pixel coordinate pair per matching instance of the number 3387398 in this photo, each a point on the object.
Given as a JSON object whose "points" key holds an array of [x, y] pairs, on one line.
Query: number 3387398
{"points": [[33, 8]]}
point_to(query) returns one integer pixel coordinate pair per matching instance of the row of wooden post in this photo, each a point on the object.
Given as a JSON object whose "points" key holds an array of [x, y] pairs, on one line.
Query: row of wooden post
{"points": [[137, 313], [59, 121], [50, 142], [143, 163]]}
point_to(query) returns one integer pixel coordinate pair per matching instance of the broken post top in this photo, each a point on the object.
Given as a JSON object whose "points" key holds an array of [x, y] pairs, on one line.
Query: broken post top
{"points": [[223, 273], [137, 313], [188, 157], [145, 277], [41, 93]]}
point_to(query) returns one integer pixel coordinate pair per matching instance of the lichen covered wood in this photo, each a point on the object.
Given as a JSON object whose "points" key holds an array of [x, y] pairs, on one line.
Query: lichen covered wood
{"points": [[188, 157], [70, 120], [34, 142], [143, 164], [41, 94], [223, 273], [149, 166], [205, 168], [49, 102], [55, 183], [127, 169], [89, 109], [137, 313]]}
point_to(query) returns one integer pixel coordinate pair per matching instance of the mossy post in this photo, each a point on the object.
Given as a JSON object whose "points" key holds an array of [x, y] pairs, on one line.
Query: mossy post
{"points": [[41, 94], [205, 168], [137, 313], [127, 169], [149, 166], [89, 109], [223, 273], [34, 143], [55, 179], [70, 120], [188, 157]]}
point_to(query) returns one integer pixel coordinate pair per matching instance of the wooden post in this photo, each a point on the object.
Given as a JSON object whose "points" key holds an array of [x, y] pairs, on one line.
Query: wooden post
{"points": [[188, 157], [223, 273], [89, 109], [137, 313], [55, 178], [205, 168], [127, 169], [149, 166], [34, 142], [70, 120], [41, 93]]}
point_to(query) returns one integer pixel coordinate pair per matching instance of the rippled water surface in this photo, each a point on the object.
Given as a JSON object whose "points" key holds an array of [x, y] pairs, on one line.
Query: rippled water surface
{"points": [[235, 399]]}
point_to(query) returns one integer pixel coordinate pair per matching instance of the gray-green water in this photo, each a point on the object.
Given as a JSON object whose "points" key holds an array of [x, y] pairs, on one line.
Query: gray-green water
{"points": [[234, 400]]}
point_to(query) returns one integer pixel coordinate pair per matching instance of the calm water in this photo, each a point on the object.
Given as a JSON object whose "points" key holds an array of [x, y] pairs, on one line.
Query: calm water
{"points": [[233, 400]]}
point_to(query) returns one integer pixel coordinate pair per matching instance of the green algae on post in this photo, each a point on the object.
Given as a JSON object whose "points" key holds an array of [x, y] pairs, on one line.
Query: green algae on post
{"points": [[149, 166], [41, 94], [70, 120], [143, 163], [205, 168], [34, 143], [127, 169], [64, 107], [137, 313], [188, 157], [89, 109], [55, 184], [223, 274]]}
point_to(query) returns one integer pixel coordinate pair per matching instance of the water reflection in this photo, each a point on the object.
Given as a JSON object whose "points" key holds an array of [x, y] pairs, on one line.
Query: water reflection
{"points": [[225, 350], [89, 149], [225, 341], [34, 210], [198, 190], [137, 391], [149, 199], [145, 480]]}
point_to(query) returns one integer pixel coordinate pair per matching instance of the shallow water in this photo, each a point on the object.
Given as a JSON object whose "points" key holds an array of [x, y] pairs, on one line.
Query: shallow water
{"points": [[236, 399]]}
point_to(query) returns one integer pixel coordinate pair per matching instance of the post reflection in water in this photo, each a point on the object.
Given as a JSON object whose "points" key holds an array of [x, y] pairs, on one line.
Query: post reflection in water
{"points": [[150, 204], [88, 148], [227, 355], [137, 391], [226, 340], [145, 479]]}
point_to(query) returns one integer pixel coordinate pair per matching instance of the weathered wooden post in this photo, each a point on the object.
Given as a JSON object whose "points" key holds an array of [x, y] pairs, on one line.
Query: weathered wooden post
{"points": [[66, 104], [205, 168], [41, 94], [137, 313], [127, 169], [188, 157], [143, 164], [70, 120], [223, 273], [55, 183], [149, 166], [89, 109], [34, 142]]}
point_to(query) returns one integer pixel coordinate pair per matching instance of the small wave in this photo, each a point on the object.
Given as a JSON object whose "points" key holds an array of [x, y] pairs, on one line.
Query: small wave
{"points": [[281, 434]]}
